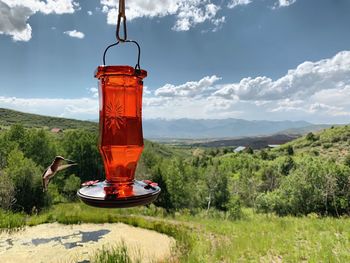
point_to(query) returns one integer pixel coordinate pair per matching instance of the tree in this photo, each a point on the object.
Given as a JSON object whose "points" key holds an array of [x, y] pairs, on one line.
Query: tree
{"points": [[17, 134], [217, 183], [26, 177], [163, 199], [39, 147], [290, 150], [249, 150], [81, 146], [7, 192]]}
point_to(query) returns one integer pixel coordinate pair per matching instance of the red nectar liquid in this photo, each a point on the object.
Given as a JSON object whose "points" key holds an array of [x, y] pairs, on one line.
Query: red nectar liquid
{"points": [[121, 138]]}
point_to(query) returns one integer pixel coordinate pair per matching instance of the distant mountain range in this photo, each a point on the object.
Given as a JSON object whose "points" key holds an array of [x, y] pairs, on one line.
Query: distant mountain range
{"points": [[165, 130], [161, 129]]}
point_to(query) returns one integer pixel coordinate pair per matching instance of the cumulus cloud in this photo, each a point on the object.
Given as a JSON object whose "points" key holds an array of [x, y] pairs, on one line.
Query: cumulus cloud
{"points": [[89, 13], [188, 13], [234, 3], [307, 79], [74, 33], [14, 15], [189, 89], [314, 91], [13, 22]]}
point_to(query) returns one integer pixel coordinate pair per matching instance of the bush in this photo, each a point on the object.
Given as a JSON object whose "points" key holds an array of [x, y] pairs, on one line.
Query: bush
{"points": [[71, 185], [26, 177], [311, 137], [314, 186], [234, 208]]}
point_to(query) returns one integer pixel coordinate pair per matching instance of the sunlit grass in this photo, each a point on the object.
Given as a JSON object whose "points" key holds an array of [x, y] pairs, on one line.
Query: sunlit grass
{"points": [[118, 253], [199, 238]]}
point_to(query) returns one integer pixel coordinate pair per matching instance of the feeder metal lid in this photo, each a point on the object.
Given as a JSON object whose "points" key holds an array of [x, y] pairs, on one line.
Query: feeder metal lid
{"points": [[119, 70]]}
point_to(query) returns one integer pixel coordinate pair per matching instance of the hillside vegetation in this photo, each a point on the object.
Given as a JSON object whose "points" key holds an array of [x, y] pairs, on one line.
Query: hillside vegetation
{"points": [[332, 144], [11, 117]]}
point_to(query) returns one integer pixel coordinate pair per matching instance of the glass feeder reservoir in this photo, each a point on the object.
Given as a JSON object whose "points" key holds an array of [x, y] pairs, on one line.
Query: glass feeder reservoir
{"points": [[120, 140]]}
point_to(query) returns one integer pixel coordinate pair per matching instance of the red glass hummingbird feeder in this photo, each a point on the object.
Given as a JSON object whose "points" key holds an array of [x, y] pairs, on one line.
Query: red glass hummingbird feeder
{"points": [[120, 137]]}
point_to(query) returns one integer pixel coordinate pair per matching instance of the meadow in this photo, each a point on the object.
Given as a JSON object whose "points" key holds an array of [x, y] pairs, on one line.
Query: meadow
{"points": [[211, 236]]}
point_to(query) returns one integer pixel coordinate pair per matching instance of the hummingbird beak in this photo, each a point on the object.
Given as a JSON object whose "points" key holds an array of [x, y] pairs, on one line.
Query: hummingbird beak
{"points": [[70, 161]]}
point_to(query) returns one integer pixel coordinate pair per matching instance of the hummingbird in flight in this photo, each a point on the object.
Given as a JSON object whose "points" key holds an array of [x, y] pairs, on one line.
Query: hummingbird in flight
{"points": [[55, 167]]}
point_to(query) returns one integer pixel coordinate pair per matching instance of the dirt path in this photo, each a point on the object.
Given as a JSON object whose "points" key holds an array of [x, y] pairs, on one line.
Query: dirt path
{"points": [[77, 243]]}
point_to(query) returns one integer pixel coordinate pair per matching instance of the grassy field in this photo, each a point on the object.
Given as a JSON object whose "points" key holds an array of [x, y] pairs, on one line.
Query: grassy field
{"points": [[212, 238]]}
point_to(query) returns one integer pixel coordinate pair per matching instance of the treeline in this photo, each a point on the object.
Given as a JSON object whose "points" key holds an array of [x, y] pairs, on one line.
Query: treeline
{"points": [[281, 181]]}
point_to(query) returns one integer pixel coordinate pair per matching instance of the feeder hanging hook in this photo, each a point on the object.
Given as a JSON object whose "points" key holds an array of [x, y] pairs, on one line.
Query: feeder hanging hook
{"points": [[121, 16]]}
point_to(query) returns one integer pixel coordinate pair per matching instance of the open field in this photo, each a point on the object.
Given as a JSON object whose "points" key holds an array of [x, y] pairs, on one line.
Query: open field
{"points": [[212, 238]]}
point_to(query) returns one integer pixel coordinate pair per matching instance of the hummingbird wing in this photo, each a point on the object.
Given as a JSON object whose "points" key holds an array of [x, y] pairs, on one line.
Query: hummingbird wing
{"points": [[64, 166], [45, 178]]}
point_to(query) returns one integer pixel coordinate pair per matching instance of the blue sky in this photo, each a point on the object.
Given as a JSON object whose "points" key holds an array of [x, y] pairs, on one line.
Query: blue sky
{"points": [[249, 59]]}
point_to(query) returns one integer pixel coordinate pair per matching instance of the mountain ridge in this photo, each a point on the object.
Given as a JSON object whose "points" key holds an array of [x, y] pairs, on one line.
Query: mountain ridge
{"points": [[160, 129]]}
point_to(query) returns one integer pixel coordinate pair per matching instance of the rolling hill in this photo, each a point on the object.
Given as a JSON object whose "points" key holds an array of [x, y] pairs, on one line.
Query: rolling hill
{"points": [[332, 143], [10, 117]]}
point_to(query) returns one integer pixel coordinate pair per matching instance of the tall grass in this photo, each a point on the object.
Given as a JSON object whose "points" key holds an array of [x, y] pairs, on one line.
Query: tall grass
{"points": [[115, 254], [11, 221]]}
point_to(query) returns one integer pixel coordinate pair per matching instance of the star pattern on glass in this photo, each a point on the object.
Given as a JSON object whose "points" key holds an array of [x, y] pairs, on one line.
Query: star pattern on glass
{"points": [[114, 115]]}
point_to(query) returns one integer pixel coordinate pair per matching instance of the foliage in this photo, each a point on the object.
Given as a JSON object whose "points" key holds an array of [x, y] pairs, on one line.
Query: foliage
{"points": [[81, 146], [300, 177], [314, 186], [71, 185], [39, 147], [26, 177], [7, 192]]}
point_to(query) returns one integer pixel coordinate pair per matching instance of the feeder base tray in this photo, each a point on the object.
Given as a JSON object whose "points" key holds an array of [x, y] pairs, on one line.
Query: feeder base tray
{"points": [[104, 194]]}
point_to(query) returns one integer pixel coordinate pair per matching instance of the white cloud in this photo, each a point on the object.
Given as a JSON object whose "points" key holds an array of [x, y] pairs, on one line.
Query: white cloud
{"points": [[14, 15], [74, 33], [188, 13], [313, 91], [307, 79], [234, 3], [13, 21], [189, 89], [282, 3], [81, 108], [94, 92], [146, 91], [89, 13]]}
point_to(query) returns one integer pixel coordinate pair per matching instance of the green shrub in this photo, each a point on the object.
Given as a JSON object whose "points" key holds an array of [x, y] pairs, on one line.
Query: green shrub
{"points": [[234, 208], [314, 186], [26, 177]]}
